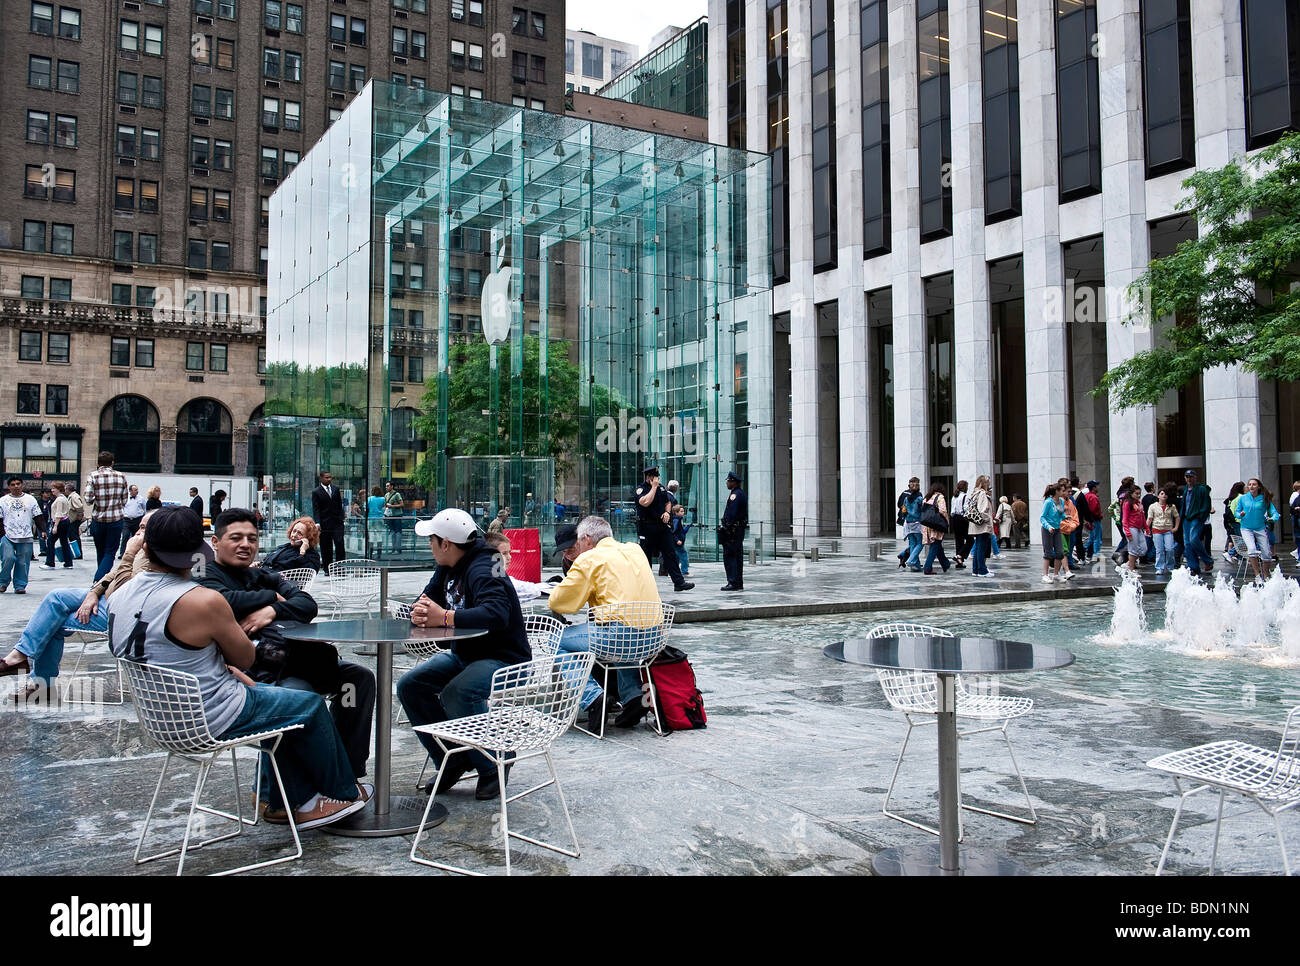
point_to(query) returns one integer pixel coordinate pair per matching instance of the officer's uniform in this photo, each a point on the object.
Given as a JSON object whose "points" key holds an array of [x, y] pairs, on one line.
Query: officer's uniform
{"points": [[735, 518], [654, 535]]}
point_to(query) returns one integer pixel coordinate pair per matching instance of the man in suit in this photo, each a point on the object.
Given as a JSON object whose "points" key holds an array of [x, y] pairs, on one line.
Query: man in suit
{"points": [[196, 502], [327, 511]]}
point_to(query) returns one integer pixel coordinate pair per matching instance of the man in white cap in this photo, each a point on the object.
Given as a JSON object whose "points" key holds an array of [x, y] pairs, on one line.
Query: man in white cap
{"points": [[469, 588]]}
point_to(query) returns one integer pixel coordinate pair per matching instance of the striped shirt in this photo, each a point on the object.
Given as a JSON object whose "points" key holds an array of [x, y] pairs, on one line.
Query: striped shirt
{"points": [[106, 492]]}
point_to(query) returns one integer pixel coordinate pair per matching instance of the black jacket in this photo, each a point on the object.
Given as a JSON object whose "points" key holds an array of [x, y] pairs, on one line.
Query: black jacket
{"points": [[251, 588], [196, 505], [327, 510], [287, 557], [478, 589]]}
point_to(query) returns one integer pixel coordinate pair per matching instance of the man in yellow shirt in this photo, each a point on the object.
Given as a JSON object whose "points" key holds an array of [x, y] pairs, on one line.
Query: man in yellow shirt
{"points": [[603, 572]]}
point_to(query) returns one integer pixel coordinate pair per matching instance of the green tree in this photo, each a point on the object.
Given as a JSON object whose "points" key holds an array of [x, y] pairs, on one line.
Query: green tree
{"points": [[471, 423], [1231, 287]]}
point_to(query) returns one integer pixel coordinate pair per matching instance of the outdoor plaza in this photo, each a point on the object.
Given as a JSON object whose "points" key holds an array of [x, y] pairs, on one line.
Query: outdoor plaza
{"points": [[790, 775]]}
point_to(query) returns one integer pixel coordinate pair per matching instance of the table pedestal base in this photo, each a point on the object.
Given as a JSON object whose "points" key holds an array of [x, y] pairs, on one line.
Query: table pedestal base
{"points": [[403, 818], [915, 860]]}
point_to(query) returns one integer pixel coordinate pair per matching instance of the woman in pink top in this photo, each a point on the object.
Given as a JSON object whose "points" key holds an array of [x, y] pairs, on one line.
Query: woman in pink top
{"points": [[1133, 521]]}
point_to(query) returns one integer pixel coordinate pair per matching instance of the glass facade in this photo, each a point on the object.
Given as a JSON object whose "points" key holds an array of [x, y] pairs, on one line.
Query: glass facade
{"points": [[1271, 42], [825, 235], [875, 128], [1078, 99], [1167, 85], [674, 76], [934, 111], [1001, 109], [583, 308]]}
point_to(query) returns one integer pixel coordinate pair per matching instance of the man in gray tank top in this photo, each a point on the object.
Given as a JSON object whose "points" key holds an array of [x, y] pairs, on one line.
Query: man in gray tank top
{"points": [[163, 618]]}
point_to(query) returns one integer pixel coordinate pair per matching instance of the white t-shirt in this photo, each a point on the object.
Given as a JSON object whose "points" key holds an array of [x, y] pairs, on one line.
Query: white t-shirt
{"points": [[19, 514]]}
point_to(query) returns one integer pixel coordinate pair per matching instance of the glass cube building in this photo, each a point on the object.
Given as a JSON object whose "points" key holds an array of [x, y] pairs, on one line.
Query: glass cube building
{"points": [[505, 309]]}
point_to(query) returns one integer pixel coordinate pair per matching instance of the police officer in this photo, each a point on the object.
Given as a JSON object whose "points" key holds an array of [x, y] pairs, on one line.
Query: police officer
{"points": [[731, 534], [652, 526]]}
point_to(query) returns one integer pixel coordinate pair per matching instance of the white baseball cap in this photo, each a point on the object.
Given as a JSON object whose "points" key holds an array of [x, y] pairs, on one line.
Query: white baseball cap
{"points": [[450, 524]]}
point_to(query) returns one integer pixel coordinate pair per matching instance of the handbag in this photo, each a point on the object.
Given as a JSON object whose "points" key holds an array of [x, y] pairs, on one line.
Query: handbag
{"points": [[316, 662], [932, 518], [974, 515]]}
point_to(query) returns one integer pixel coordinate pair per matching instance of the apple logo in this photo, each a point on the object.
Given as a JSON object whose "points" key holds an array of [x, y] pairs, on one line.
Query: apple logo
{"points": [[494, 304]]}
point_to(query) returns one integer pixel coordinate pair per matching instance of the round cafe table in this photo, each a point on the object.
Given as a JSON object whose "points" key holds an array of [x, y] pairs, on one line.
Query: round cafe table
{"points": [[385, 814], [946, 657]]}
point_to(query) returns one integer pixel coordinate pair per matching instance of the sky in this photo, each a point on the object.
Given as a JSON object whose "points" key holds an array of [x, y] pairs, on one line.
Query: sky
{"points": [[631, 22]]}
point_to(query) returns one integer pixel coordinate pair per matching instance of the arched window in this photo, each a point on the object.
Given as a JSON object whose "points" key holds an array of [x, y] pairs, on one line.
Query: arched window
{"points": [[128, 428], [203, 438], [256, 446]]}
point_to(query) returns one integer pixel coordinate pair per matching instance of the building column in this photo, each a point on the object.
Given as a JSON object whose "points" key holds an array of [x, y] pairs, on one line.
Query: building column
{"points": [[716, 72], [1125, 236], [805, 377], [911, 403], [1048, 419], [1237, 446], [857, 471], [972, 332], [166, 449]]}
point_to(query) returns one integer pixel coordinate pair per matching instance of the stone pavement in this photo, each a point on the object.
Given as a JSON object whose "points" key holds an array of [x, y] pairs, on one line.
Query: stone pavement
{"points": [[788, 777]]}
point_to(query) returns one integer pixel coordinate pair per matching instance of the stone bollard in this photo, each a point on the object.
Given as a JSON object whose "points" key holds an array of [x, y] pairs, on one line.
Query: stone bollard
{"points": [[873, 551], [835, 546], [814, 555], [753, 556], [794, 545]]}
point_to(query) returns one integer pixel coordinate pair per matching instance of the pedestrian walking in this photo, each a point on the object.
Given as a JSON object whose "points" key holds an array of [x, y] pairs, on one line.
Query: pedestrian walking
{"points": [[1195, 511], [979, 518], [1049, 524], [1162, 521], [960, 525], [909, 518], [931, 534], [106, 493]]}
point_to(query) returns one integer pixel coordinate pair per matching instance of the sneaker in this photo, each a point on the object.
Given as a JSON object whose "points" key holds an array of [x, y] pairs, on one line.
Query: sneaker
{"points": [[1047, 579], [272, 816], [454, 772], [596, 715], [489, 786], [327, 811], [1067, 575], [46, 567], [685, 586]]}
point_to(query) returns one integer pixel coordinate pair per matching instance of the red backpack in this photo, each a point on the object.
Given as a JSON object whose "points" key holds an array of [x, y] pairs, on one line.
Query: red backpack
{"points": [[681, 706]]}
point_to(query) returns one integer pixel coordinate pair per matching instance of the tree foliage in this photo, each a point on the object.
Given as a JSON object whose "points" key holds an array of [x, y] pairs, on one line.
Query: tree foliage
{"points": [[1231, 287]]}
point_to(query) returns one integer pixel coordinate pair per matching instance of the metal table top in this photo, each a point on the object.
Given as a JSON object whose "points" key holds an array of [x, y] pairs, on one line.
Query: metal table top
{"points": [[949, 655], [385, 630]]}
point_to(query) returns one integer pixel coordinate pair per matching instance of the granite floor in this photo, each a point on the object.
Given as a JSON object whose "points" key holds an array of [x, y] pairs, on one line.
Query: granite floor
{"points": [[789, 776]]}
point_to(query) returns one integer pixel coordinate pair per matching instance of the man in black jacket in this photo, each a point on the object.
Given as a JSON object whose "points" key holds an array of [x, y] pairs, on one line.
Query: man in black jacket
{"points": [[258, 597], [327, 511], [469, 588]]}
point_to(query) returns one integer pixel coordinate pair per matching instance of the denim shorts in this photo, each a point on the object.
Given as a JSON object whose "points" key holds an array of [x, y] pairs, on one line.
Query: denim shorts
{"points": [[1256, 542]]}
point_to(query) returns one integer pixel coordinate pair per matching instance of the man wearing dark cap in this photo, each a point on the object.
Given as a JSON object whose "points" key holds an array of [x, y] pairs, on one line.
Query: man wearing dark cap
{"points": [[653, 528], [731, 534], [163, 618], [1196, 510], [1094, 511]]}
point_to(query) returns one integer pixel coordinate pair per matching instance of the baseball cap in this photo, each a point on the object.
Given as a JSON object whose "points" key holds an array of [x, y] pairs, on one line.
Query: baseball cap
{"points": [[1190, 473], [450, 524], [1092, 483], [565, 536], [174, 536]]}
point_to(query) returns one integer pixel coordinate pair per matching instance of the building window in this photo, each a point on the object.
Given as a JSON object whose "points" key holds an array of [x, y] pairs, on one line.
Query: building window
{"points": [[194, 355], [38, 127], [39, 72], [271, 112], [293, 18], [266, 211], [56, 400], [358, 74], [198, 254], [270, 163], [60, 239], [204, 438], [519, 21], [224, 104], [537, 105], [457, 8], [933, 119], [129, 35], [1271, 38], [338, 29], [778, 135], [128, 427], [58, 341], [226, 9], [69, 23], [150, 144], [568, 55], [338, 75], [220, 205], [221, 256], [34, 186], [1001, 109], [217, 356], [357, 34], [261, 359], [593, 60], [1167, 86], [458, 54], [399, 41], [144, 298], [416, 318], [262, 255], [144, 347], [29, 347], [415, 369], [222, 155], [225, 54], [419, 41], [1078, 106], [148, 195], [121, 296], [735, 70], [125, 141], [539, 25], [151, 94], [127, 87], [123, 246], [417, 276], [65, 131], [33, 287], [875, 128], [65, 185], [476, 13], [539, 69], [198, 204], [42, 21], [119, 350], [33, 236], [153, 40], [519, 66], [60, 291], [292, 116], [29, 399], [199, 152], [290, 162], [293, 66], [825, 217], [271, 14], [475, 56], [270, 62]]}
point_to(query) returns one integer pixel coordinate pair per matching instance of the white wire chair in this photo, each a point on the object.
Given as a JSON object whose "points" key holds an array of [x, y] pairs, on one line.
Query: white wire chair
{"points": [[170, 709], [349, 585], [917, 693], [86, 638], [1269, 779], [340, 568], [421, 651], [629, 636], [530, 706], [544, 632], [300, 577]]}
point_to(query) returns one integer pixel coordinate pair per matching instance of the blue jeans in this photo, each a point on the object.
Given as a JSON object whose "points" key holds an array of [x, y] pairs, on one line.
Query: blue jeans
{"points": [[994, 543], [42, 640], [979, 554], [15, 560], [1193, 548], [107, 537], [312, 759], [446, 687], [1164, 550], [936, 550], [576, 639], [914, 553], [1094, 539], [683, 560]]}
